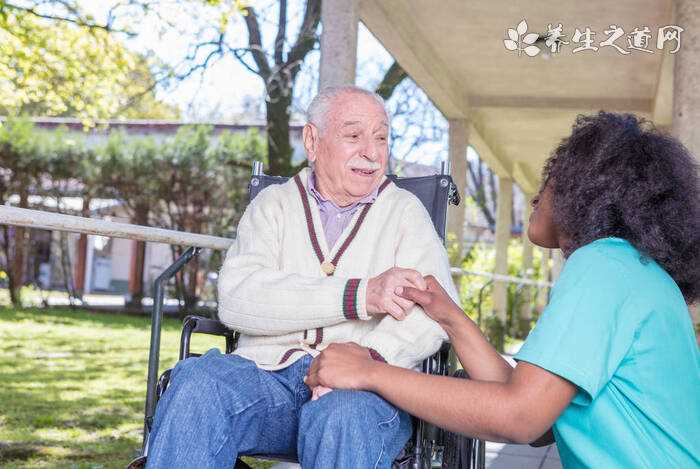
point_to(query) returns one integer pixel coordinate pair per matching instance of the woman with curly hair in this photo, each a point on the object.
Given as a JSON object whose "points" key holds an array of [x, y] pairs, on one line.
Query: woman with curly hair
{"points": [[612, 366]]}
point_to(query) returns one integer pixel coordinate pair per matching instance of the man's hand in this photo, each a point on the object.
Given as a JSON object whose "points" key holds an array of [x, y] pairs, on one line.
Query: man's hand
{"points": [[435, 302], [341, 366], [319, 391], [383, 292]]}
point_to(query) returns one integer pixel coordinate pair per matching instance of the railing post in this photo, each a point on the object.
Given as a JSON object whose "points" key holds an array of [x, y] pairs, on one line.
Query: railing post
{"points": [[156, 320]]}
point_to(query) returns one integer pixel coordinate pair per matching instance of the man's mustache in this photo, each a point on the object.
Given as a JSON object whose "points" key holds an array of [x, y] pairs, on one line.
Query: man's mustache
{"points": [[357, 163]]}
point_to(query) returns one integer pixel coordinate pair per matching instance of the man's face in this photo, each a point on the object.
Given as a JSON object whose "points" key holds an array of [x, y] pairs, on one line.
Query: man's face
{"points": [[351, 150]]}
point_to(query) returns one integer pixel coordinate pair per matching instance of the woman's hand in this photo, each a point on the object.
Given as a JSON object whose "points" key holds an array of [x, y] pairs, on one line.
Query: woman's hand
{"points": [[435, 302], [477, 355], [341, 366]]}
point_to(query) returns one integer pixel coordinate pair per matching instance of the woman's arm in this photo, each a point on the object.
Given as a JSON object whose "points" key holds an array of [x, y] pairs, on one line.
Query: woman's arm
{"points": [[519, 410], [477, 356]]}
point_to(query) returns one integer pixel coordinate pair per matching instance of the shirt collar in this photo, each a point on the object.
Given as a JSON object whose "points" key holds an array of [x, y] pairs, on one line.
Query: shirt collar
{"points": [[311, 183]]}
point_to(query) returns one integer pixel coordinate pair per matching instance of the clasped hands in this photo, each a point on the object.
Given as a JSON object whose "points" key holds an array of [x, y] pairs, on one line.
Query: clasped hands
{"points": [[394, 292]]}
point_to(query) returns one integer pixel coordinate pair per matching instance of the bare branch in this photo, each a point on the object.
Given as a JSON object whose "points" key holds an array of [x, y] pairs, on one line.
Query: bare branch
{"points": [[218, 50], [239, 53], [307, 37], [77, 19], [255, 43], [281, 33]]}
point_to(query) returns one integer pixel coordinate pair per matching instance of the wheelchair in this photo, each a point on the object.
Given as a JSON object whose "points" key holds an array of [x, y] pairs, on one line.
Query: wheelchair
{"points": [[429, 446]]}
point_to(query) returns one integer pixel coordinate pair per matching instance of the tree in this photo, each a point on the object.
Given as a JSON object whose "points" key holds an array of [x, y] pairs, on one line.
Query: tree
{"points": [[193, 182], [201, 188], [61, 66], [126, 171], [277, 65], [32, 163], [278, 70]]}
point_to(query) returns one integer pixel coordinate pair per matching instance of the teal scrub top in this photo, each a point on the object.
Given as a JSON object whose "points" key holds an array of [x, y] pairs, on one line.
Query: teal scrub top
{"points": [[618, 328]]}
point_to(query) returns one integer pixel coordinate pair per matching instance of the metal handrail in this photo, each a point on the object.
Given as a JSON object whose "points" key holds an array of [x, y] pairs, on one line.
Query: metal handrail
{"points": [[59, 222], [456, 271]]}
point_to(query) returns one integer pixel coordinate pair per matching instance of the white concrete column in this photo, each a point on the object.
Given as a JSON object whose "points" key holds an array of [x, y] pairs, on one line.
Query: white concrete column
{"points": [[686, 87], [457, 154], [686, 76], [525, 310], [543, 294], [504, 209], [339, 19]]}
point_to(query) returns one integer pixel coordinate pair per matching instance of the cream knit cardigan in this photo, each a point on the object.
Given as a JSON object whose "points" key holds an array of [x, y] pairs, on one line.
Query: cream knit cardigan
{"points": [[272, 290]]}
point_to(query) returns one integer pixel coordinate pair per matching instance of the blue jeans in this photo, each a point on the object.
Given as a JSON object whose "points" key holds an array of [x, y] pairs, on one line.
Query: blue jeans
{"points": [[219, 406]]}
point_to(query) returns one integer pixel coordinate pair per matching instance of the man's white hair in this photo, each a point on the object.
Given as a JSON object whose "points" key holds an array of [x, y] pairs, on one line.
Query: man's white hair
{"points": [[317, 111]]}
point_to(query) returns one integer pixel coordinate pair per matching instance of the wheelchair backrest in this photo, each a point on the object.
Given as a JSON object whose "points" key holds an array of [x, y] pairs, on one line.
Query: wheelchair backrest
{"points": [[433, 191]]}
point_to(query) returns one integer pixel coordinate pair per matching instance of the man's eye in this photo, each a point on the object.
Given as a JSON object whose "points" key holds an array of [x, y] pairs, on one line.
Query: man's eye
{"points": [[382, 138]]}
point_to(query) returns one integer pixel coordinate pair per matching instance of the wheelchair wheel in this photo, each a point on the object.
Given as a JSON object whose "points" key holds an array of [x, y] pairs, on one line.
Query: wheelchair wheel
{"points": [[462, 452]]}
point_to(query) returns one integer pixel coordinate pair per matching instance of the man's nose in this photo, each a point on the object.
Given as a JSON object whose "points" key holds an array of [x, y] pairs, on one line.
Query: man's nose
{"points": [[368, 151]]}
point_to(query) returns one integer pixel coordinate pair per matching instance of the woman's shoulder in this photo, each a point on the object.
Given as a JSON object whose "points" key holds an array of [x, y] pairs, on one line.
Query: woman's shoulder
{"points": [[618, 262], [605, 253]]}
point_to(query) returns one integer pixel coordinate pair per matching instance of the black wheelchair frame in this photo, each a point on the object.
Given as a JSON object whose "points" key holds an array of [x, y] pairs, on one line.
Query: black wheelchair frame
{"points": [[428, 444]]}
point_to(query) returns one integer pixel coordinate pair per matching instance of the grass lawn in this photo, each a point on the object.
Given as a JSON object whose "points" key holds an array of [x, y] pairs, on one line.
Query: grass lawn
{"points": [[74, 386]]}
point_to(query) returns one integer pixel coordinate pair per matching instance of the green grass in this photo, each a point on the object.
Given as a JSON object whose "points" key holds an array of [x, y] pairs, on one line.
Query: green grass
{"points": [[74, 385]]}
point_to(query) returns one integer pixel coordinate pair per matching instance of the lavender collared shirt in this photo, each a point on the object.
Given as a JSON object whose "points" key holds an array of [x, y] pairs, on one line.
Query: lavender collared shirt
{"points": [[333, 218]]}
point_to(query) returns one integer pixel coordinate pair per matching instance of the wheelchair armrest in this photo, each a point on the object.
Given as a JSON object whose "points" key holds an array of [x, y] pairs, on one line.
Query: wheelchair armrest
{"points": [[198, 324], [206, 326], [437, 363]]}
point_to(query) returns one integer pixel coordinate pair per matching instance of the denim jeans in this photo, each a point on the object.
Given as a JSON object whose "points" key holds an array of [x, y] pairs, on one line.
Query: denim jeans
{"points": [[219, 406]]}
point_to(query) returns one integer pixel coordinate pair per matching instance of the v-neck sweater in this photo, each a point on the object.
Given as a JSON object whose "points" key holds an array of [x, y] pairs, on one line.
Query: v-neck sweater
{"points": [[272, 290]]}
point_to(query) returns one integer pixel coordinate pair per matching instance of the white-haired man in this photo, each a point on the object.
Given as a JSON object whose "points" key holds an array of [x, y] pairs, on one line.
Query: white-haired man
{"points": [[319, 259]]}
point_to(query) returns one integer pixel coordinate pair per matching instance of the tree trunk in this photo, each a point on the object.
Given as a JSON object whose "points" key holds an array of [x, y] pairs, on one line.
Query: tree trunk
{"points": [[279, 148], [82, 270], [19, 255], [136, 288]]}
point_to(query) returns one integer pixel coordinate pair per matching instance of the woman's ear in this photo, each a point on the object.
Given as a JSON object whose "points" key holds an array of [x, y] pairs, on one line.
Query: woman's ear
{"points": [[310, 139]]}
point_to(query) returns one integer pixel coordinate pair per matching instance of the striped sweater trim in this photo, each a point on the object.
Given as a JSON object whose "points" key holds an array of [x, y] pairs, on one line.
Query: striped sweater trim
{"points": [[309, 219], [312, 229], [376, 356], [288, 354], [350, 299]]}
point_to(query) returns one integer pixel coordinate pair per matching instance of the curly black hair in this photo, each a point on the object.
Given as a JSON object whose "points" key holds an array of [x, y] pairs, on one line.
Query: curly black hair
{"points": [[617, 175]]}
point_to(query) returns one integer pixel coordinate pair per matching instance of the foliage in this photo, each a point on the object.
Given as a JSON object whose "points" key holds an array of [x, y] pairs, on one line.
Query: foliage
{"points": [[476, 291], [194, 181], [74, 386], [32, 162], [202, 187], [57, 68]]}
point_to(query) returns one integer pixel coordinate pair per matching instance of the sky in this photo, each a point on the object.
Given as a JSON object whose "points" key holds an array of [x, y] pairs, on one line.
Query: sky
{"points": [[226, 91]]}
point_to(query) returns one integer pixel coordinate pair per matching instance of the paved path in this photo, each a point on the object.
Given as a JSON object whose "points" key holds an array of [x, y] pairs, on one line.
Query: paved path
{"points": [[502, 456]]}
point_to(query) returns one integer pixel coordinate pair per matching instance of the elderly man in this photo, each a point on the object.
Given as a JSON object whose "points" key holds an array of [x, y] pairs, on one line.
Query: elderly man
{"points": [[319, 259]]}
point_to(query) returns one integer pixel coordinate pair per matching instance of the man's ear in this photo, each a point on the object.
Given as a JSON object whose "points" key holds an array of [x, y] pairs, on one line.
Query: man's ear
{"points": [[310, 139]]}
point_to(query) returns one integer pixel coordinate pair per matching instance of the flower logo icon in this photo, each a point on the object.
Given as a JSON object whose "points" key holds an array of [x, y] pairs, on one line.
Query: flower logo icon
{"points": [[520, 41]]}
